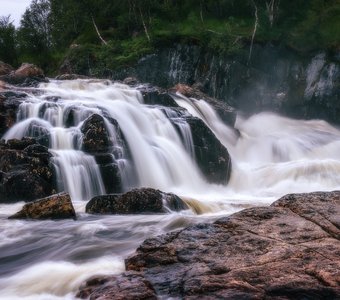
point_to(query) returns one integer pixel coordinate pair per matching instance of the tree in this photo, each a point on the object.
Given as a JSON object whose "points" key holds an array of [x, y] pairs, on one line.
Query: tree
{"points": [[34, 33], [7, 41]]}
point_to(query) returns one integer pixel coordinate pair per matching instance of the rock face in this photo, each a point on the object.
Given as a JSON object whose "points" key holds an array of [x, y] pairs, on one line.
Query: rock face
{"points": [[137, 201], [57, 206], [276, 79], [289, 250], [211, 156], [25, 75], [26, 171]]}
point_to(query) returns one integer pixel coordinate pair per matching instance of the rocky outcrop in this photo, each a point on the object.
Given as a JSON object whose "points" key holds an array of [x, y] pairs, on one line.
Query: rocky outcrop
{"points": [[9, 103], [275, 79], [224, 111], [289, 250], [137, 201], [156, 96], [211, 156], [25, 75], [57, 206], [26, 171], [96, 141], [5, 68]]}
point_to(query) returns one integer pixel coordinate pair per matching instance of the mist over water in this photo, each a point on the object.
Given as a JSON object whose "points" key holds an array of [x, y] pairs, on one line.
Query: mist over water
{"points": [[271, 156]]}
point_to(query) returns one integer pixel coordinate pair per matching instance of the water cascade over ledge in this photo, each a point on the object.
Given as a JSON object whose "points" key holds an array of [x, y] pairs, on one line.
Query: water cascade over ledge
{"points": [[147, 146]]}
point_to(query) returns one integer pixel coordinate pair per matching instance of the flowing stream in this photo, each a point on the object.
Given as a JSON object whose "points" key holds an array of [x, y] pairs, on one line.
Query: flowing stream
{"points": [[271, 156]]}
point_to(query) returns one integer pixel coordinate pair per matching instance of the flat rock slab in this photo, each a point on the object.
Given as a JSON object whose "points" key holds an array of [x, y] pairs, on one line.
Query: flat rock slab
{"points": [[57, 206], [289, 250]]}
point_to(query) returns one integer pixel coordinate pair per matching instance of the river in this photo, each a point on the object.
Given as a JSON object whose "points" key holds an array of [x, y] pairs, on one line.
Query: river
{"points": [[271, 156]]}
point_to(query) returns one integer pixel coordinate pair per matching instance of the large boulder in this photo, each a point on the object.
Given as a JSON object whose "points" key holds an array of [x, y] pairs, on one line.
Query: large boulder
{"points": [[97, 142], [57, 206], [289, 250], [137, 201], [26, 75], [28, 70], [27, 171], [5, 68], [211, 156], [95, 135]]}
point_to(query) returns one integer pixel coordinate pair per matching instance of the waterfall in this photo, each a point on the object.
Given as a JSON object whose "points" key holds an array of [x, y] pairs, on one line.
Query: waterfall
{"points": [[161, 155], [274, 155], [152, 146]]}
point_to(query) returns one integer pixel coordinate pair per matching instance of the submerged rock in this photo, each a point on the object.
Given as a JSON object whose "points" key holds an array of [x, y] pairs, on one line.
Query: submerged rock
{"points": [[289, 250], [137, 201], [27, 171], [57, 206]]}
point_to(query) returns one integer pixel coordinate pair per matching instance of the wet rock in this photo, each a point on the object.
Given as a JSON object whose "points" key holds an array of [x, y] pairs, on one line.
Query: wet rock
{"points": [[107, 152], [29, 70], [156, 96], [110, 174], [131, 81], [9, 103], [25, 75], [129, 286], [286, 251], [289, 250], [20, 144], [5, 68], [224, 111], [95, 135], [137, 201], [27, 171], [211, 156], [57, 206]]}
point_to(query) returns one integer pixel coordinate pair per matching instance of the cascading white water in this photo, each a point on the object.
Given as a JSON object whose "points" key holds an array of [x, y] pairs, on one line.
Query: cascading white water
{"points": [[158, 153], [271, 156]]}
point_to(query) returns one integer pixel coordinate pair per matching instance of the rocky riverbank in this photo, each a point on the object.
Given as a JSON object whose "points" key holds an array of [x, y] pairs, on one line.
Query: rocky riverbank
{"points": [[289, 250]]}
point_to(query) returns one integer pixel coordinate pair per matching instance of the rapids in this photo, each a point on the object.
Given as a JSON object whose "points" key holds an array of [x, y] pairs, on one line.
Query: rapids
{"points": [[271, 156]]}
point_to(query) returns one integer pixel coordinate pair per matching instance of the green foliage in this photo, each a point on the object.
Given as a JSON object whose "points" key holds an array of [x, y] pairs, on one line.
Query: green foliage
{"points": [[51, 29], [7, 41], [34, 34]]}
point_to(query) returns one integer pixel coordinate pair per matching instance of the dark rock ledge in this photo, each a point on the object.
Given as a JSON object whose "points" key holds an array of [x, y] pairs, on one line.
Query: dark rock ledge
{"points": [[289, 250], [136, 201]]}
